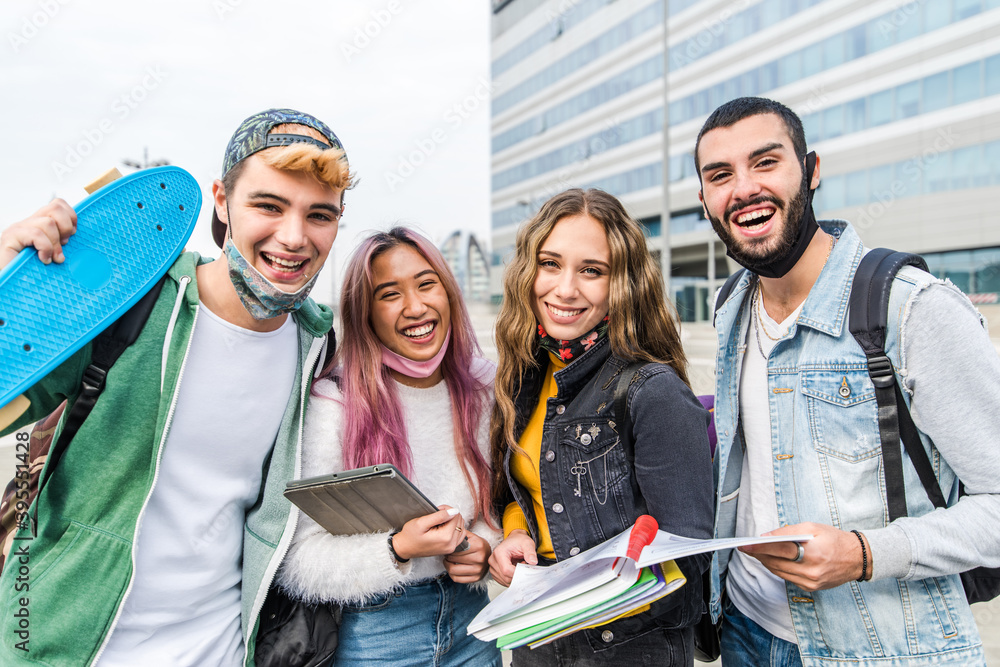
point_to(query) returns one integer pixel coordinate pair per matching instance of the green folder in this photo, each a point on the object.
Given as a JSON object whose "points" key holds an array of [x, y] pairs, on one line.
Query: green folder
{"points": [[515, 639]]}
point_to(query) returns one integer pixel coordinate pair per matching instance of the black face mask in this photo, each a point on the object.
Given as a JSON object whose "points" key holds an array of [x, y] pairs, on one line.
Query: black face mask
{"points": [[795, 242]]}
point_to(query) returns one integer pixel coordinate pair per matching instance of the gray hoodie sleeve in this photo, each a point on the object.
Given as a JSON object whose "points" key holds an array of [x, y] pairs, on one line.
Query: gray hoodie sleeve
{"points": [[952, 373]]}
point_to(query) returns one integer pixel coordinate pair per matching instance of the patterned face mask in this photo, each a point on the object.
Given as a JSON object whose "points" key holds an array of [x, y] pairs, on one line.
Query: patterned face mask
{"points": [[262, 299]]}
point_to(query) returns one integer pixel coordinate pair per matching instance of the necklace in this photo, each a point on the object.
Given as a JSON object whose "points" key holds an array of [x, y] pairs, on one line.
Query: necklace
{"points": [[756, 328], [759, 298]]}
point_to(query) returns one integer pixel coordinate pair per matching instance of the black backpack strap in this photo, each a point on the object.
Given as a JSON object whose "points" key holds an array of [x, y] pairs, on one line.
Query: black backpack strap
{"points": [[867, 322], [106, 348], [917, 454], [727, 289], [331, 347]]}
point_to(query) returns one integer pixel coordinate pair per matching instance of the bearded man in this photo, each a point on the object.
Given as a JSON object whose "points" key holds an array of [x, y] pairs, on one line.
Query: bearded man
{"points": [[797, 421]]}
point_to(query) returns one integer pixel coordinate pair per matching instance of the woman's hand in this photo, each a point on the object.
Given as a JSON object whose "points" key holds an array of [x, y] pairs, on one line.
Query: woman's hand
{"points": [[47, 230], [471, 565], [436, 534], [517, 548]]}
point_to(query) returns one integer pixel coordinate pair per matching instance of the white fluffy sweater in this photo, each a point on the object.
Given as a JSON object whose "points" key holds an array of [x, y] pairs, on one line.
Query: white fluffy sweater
{"points": [[321, 567]]}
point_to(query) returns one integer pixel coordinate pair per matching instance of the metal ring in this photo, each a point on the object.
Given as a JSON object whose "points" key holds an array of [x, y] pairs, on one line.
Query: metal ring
{"points": [[458, 528], [801, 555]]}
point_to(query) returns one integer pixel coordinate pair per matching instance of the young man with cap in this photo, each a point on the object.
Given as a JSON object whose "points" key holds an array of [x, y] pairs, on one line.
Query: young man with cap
{"points": [[164, 523], [799, 448]]}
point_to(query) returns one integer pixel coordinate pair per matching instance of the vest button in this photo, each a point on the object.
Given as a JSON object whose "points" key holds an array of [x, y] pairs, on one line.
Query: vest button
{"points": [[557, 508], [585, 439], [560, 409], [550, 456], [574, 551], [607, 636]]}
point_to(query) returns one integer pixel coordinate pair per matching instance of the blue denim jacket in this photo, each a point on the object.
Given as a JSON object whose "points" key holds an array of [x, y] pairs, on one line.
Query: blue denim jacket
{"points": [[827, 469], [590, 492]]}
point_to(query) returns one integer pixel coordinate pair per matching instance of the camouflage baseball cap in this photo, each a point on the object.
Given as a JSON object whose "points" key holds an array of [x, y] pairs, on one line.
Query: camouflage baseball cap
{"points": [[253, 135]]}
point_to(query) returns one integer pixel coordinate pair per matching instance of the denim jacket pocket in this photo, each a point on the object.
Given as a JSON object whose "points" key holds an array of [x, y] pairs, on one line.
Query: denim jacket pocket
{"points": [[593, 460], [843, 414]]}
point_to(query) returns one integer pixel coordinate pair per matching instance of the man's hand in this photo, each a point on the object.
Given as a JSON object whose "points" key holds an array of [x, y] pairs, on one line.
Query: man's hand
{"points": [[832, 557], [435, 534], [471, 565], [517, 548], [47, 230]]}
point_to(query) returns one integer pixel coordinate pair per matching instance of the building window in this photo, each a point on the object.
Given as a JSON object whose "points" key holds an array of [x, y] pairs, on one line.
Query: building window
{"points": [[969, 167], [992, 66], [833, 122], [833, 192], [880, 108], [907, 100], [966, 82], [936, 93], [880, 183], [964, 164], [936, 15], [856, 188], [856, 114]]}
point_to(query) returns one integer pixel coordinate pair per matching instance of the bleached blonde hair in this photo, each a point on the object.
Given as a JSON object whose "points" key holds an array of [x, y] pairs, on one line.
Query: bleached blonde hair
{"points": [[329, 167]]}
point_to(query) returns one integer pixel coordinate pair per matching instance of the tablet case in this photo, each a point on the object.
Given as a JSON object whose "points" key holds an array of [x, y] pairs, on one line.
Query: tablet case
{"points": [[375, 499]]}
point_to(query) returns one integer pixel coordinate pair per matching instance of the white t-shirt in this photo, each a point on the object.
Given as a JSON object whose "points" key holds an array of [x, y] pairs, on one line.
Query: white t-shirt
{"points": [[753, 588], [183, 606]]}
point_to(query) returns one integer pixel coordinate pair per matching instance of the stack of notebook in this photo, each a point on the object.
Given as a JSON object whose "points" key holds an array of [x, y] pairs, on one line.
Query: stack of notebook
{"points": [[614, 579]]}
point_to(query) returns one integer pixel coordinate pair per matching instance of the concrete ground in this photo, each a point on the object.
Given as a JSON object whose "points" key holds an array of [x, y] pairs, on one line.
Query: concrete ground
{"points": [[699, 344]]}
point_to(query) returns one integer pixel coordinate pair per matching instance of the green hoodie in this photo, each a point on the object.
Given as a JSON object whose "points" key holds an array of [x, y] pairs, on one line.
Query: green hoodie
{"points": [[62, 603]]}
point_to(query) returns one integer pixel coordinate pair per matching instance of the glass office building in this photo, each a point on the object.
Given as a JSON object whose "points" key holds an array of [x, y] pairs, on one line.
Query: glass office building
{"points": [[900, 100]]}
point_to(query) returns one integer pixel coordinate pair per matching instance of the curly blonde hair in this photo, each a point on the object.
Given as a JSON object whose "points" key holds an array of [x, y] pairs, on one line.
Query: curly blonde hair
{"points": [[643, 325]]}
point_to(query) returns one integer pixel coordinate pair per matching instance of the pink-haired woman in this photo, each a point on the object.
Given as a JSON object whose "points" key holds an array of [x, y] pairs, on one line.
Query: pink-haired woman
{"points": [[407, 387]]}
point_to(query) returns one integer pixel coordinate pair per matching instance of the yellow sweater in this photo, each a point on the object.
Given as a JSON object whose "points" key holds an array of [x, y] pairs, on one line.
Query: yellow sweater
{"points": [[525, 467]]}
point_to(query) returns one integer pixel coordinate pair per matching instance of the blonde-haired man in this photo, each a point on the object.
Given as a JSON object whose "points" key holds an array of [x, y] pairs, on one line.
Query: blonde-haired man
{"points": [[163, 524]]}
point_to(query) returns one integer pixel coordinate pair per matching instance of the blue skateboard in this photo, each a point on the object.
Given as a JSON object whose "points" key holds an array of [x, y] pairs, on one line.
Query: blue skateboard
{"points": [[128, 235]]}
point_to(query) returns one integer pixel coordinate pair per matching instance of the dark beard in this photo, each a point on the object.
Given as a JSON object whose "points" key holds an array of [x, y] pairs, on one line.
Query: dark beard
{"points": [[758, 255]]}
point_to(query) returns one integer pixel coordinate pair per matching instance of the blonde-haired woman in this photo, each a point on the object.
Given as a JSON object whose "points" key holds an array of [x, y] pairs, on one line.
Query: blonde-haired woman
{"points": [[583, 300]]}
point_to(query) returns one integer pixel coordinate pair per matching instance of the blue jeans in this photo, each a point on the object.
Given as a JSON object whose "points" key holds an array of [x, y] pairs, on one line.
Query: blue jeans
{"points": [[746, 644], [423, 626]]}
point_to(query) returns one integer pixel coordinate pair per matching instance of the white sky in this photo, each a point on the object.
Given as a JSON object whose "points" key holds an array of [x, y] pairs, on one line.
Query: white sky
{"points": [[109, 78]]}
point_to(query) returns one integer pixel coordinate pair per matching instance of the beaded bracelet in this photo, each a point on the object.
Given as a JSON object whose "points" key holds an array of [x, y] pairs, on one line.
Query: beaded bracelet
{"points": [[392, 550], [864, 557]]}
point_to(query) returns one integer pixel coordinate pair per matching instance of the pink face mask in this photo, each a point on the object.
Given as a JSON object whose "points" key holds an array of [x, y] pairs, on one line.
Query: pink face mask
{"points": [[415, 369]]}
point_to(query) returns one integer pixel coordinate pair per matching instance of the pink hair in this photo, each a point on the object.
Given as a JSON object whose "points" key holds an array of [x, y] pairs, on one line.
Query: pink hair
{"points": [[374, 429]]}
